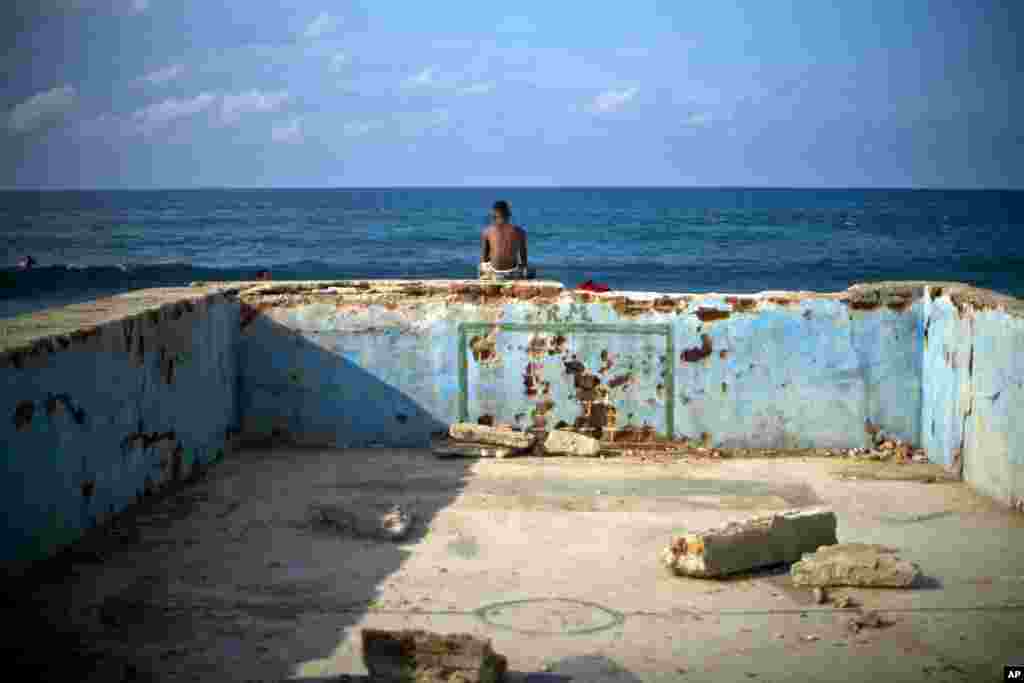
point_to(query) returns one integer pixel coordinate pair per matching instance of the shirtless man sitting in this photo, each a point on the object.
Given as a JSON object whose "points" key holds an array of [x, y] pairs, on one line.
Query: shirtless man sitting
{"points": [[503, 248]]}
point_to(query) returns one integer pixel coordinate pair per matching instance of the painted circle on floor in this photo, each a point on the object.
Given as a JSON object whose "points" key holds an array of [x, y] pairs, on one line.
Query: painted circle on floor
{"points": [[559, 616]]}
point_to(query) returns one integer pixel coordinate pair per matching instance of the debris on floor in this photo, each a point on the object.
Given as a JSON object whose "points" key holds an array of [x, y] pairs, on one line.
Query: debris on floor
{"points": [[494, 436], [869, 619], [417, 656], [774, 539], [886, 447], [482, 441], [845, 602], [855, 564], [380, 521], [564, 442]]}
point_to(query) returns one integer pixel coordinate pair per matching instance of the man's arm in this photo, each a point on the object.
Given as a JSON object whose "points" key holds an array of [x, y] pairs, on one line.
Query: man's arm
{"points": [[485, 245], [522, 248]]}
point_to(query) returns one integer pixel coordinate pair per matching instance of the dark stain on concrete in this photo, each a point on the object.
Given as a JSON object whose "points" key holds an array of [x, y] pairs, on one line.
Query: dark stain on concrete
{"points": [[54, 402], [531, 379], [620, 380], [711, 314], [23, 413], [573, 367], [696, 354], [557, 345]]}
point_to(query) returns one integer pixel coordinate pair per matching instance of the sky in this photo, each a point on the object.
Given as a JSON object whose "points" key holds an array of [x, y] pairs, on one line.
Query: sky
{"points": [[319, 93]]}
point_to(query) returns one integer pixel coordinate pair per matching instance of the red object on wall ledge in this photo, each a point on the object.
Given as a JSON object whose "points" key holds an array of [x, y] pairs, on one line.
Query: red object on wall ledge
{"points": [[591, 286]]}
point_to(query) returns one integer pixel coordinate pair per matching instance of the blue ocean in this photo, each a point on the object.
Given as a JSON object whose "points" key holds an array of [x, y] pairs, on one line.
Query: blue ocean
{"points": [[93, 243]]}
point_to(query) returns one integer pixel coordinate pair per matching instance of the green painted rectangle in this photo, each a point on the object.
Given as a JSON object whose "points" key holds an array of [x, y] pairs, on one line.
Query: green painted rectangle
{"points": [[465, 329]]}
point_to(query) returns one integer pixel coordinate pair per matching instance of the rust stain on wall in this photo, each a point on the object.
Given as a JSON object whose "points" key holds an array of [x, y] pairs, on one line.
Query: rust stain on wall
{"points": [[710, 314], [537, 347], [615, 382], [484, 348], [698, 353], [741, 305], [557, 345]]}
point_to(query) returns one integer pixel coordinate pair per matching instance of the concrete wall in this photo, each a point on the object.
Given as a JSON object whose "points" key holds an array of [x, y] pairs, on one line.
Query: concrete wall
{"points": [[386, 364], [973, 410], [105, 402], [109, 400]]}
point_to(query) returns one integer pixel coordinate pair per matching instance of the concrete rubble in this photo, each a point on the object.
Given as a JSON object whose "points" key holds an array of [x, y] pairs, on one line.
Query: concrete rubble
{"points": [[380, 521], [758, 542], [417, 656], [491, 436], [869, 619], [564, 442], [855, 564]]}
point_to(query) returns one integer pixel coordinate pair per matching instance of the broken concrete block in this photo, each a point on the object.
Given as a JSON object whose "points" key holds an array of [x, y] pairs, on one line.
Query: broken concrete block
{"points": [[416, 656], [855, 564], [380, 521], [493, 436], [758, 542], [564, 442]]}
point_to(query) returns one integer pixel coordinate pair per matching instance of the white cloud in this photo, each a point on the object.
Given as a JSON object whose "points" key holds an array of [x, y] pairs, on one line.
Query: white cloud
{"points": [[425, 78], [233, 107], [429, 78], [416, 123], [698, 119], [41, 109], [324, 23], [612, 100], [338, 62], [161, 114], [289, 132], [406, 123], [164, 75], [355, 129], [477, 88]]}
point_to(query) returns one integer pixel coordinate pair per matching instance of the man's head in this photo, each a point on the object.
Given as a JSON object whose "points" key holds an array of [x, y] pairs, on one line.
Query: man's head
{"points": [[501, 211]]}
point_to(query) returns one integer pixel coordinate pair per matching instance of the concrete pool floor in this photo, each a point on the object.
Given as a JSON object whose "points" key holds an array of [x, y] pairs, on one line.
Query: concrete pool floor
{"points": [[556, 560]]}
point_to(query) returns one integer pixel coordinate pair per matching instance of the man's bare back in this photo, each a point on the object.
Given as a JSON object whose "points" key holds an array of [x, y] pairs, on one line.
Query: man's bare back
{"points": [[502, 244]]}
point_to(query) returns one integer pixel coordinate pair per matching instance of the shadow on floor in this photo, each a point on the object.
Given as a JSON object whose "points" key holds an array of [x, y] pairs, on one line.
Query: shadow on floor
{"points": [[224, 578]]}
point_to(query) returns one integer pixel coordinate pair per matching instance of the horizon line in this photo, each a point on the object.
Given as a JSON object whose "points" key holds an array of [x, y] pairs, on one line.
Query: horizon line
{"points": [[511, 187]]}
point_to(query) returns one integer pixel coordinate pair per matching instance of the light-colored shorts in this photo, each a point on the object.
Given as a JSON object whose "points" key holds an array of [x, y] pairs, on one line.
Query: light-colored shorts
{"points": [[489, 272]]}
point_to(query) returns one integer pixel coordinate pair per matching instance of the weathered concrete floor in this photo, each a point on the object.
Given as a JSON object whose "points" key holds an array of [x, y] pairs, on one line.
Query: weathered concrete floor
{"points": [[222, 581]]}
